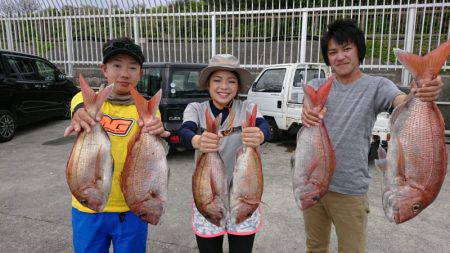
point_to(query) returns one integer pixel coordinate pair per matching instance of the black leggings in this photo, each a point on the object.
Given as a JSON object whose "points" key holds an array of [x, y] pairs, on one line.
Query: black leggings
{"points": [[237, 244]]}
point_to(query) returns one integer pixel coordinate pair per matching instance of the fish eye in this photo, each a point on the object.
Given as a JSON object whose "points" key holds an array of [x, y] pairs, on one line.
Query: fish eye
{"points": [[83, 202], [316, 198], [416, 207]]}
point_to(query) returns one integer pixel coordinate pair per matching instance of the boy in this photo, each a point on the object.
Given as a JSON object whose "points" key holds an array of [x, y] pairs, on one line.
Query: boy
{"points": [[93, 232], [354, 102]]}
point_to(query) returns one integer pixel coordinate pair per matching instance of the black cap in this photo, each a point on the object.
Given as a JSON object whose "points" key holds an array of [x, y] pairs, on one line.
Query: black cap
{"points": [[122, 46]]}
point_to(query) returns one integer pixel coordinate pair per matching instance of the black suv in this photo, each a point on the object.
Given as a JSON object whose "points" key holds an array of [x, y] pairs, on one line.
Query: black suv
{"points": [[178, 82], [31, 89]]}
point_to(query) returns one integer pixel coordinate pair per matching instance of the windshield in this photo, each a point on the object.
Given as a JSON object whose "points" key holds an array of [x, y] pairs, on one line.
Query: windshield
{"points": [[183, 84]]}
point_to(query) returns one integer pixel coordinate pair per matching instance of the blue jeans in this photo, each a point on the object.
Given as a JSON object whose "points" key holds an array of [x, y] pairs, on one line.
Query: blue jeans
{"points": [[93, 232]]}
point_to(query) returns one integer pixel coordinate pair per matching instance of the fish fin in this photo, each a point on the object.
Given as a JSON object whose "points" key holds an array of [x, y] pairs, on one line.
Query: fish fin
{"points": [[400, 161], [427, 67], [381, 162], [146, 109]]}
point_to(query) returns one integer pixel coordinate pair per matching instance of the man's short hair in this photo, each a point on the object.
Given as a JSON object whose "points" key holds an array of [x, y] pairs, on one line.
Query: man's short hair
{"points": [[344, 31], [122, 45]]}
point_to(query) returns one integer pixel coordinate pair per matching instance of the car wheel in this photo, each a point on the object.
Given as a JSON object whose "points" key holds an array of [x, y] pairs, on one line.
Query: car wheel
{"points": [[373, 150], [7, 125], [274, 132]]}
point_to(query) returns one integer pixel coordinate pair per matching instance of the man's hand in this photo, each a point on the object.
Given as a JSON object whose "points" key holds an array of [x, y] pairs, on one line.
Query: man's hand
{"points": [[430, 90], [207, 142], [310, 117], [82, 120], [154, 127], [252, 137]]}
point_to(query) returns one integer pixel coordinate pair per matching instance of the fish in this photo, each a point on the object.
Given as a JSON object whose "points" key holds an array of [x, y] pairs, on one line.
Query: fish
{"points": [[209, 181], [145, 177], [246, 188], [314, 160], [89, 170], [415, 164]]}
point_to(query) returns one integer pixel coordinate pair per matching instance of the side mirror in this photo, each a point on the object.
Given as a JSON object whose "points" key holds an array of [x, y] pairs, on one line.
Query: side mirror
{"points": [[60, 77]]}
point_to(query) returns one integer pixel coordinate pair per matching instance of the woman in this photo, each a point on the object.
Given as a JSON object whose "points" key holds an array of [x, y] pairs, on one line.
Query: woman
{"points": [[223, 78]]}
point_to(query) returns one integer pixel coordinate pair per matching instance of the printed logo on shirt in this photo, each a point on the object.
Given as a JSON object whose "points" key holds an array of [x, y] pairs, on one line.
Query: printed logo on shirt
{"points": [[116, 126]]}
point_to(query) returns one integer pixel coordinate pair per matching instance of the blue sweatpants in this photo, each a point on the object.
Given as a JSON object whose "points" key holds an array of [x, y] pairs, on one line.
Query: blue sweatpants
{"points": [[93, 232]]}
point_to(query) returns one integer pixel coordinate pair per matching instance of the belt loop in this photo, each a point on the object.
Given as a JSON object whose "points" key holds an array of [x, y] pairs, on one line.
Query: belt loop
{"points": [[122, 217]]}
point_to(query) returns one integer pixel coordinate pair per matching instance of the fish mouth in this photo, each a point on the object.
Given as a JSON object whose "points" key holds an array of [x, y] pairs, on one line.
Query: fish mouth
{"points": [[389, 205]]}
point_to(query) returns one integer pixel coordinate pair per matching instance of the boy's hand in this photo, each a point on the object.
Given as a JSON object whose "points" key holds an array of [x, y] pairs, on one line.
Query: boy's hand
{"points": [[154, 127], [430, 90], [82, 120], [310, 117], [252, 137], [207, 142]]}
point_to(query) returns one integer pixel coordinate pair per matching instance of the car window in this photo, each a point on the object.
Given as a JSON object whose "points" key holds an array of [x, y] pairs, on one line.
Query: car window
{"points": [[21, 68], [270, 81], [150, 82], [183, 83], [46, 72], [301, 76]]}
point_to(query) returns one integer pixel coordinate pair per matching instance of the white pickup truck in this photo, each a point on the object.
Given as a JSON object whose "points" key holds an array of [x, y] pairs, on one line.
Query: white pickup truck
{"points": [[278, 92]]}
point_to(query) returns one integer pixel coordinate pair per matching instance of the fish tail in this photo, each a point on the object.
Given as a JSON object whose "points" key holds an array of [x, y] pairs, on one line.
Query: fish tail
{"points": [[427, 67], [146, 109], [212, 126], [90, 98], [319, 97], [324, 90], [251, 117]]}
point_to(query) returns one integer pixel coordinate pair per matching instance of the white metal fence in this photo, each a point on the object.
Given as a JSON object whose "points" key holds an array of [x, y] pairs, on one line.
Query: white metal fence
{"points": [[259, 32]]}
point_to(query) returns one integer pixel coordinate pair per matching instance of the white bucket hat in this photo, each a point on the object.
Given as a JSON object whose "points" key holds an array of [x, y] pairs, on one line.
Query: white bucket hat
{"points": [[226, 62]]}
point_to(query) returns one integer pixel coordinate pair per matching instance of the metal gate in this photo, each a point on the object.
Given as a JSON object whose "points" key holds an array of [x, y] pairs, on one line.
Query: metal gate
{"points": [[259, 32]]}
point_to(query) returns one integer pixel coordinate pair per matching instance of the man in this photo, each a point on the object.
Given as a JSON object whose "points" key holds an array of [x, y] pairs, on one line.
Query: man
{"points": [[353, 103], [93, 232]]}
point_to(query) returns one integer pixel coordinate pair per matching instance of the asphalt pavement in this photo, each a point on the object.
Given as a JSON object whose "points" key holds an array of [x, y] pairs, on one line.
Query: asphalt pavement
{"points": [[35, 211]]}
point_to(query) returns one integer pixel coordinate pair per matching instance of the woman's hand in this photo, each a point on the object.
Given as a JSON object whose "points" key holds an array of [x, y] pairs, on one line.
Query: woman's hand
{"points": [[82, 120], [252, 137], [206, 142], [154, 127]]}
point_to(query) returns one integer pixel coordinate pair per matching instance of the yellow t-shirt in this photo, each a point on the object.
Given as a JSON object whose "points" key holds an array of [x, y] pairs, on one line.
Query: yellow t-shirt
{"points": [[120, 122]]}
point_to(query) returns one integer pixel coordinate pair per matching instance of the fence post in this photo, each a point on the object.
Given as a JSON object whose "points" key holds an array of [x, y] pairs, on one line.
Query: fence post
{"points": [[213, 35], [303, 36], [136, 30], [409, 39], [110, 20], [69, 46], [9, 37]]}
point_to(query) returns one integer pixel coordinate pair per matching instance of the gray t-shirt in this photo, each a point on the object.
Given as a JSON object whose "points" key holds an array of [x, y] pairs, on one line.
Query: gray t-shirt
{"points": [[351, 113], [228, 145]]}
